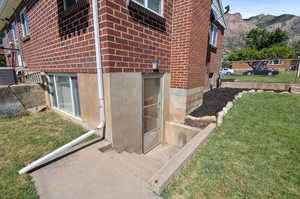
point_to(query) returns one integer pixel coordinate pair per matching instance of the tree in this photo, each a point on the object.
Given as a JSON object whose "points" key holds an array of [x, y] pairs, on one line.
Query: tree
{"points": [[260, 38], [263, 45], [297, 48]]}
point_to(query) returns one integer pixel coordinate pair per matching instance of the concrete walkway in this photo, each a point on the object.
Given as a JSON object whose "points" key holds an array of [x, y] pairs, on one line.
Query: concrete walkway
{"points": [[91, 174]]}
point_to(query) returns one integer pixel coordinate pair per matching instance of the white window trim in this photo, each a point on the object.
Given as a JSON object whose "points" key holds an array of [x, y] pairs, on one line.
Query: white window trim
{"points": [[146, 6], [23, 25], [65, 6], [69, 75], [280, 62], [211, 36]]}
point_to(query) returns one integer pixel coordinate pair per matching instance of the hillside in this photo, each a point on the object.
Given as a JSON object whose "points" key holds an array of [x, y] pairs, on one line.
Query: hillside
{"points": [[238, 27]]}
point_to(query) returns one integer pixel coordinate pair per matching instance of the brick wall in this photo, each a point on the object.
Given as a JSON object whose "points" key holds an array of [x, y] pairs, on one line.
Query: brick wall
{"points": [[58, 42], [191, 59], [214, 57], [132, 38], [199, 43]]}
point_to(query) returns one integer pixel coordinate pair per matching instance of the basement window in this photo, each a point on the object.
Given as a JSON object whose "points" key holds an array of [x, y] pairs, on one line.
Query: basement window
{"points": [[70, 3], [213, 35], [275, 62], [152, 5], [65, 93], [25, 23]]}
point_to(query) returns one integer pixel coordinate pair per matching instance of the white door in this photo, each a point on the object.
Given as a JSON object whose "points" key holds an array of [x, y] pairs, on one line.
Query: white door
{"points": [[17, 44]]}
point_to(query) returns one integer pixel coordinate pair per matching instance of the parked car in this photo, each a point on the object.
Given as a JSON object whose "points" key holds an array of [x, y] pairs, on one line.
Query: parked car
{"points": [[262, 71], [293, 67], [226, 71]]}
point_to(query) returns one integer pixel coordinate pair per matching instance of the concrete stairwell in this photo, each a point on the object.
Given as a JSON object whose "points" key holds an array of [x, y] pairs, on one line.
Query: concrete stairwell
{"points": [[143, 166]]}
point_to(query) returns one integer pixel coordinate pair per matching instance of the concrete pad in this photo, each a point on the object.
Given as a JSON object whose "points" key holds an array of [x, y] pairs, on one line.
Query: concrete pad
{"points": [[89, 174]]}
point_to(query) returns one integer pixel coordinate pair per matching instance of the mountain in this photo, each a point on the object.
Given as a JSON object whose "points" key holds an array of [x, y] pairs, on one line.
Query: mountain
{"points": [[238, 28]]}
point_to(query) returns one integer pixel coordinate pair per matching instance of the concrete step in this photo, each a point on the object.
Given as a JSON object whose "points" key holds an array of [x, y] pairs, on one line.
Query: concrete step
{"points": [[143, 162], [163, 153], [144, 158], [136, 166]]}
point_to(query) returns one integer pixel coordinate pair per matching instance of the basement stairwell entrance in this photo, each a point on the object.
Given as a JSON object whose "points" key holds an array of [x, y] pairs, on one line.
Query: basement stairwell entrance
{"points": [[152, 108]]}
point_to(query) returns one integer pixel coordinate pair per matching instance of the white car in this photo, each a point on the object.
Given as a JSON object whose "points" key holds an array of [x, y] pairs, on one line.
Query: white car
{"points": [[226, 71]]}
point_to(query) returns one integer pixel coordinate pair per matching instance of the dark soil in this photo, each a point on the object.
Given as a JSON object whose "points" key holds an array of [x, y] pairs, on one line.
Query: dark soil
{"points": [[215, 100]]}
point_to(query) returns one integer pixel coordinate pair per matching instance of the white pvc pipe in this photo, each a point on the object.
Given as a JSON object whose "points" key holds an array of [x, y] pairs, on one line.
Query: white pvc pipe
{"points": [[60, 150], [53, 154], [98, 59]]}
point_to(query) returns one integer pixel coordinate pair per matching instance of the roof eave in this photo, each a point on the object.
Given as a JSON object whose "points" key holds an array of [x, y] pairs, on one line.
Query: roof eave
{"points": [[7, 9], [222, 10]]}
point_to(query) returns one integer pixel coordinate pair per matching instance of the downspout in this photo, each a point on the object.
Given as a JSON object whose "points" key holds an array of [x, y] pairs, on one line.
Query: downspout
{"points": [[101, 126], [98, 60]]}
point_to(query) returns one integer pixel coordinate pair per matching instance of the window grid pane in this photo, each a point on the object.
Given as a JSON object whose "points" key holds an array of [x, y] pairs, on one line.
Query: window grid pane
{"points": [[64, 94], [155, 5], [53, 91], [141, 2], [76, 96]]}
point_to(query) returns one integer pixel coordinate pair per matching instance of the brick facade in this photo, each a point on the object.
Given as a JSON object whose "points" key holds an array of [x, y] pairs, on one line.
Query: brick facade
{"points": [[131, 38], [58, 42], [192, 59]]}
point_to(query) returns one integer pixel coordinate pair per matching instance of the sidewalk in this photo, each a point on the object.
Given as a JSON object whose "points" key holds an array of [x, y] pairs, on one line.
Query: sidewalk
{"points": [[89, 174]]}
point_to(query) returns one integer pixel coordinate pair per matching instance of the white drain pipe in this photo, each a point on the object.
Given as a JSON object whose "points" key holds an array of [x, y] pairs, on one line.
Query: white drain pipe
{"points": [[64, 148]]}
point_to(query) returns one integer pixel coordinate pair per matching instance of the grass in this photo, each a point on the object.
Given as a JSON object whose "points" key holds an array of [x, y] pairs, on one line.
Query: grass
{"points": [[27, 138], [254, 154], [283, 77]]}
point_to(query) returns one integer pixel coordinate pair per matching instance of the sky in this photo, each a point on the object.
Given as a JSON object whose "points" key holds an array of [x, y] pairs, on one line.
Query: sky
{"points": [[249, 8]]}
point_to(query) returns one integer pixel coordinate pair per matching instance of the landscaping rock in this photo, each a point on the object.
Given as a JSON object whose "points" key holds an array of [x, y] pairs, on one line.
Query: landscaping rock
{"points": [[220, 118], [229, 105], [36, 109], [205, 118], [201, 122]]}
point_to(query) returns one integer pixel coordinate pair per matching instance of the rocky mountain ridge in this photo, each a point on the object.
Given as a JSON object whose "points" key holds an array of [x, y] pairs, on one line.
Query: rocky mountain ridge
{"points": [[238, 28]]}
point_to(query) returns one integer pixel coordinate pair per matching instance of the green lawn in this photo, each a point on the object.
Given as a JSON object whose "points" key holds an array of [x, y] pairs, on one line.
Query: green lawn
{"points": [[254, 154], [27, 138], [283, 77]]}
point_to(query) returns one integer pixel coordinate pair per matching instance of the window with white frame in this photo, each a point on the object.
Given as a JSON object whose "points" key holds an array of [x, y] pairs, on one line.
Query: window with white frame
{"points": [[65, 93], [25, 23], [70, 3], [153, 5], [5, 39], [276, 62], [214, 35]]}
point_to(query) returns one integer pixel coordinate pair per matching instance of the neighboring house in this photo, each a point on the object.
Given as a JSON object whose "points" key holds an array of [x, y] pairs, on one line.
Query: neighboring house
{"points": [[277, 64], [158, 57]]}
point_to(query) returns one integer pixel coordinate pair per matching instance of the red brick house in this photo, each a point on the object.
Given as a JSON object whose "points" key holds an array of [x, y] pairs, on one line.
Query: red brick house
{"points": [[277, 64], [157, 59]]}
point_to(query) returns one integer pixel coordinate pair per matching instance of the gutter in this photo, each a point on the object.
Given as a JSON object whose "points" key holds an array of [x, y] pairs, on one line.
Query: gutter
{"points": [[101, 126]]}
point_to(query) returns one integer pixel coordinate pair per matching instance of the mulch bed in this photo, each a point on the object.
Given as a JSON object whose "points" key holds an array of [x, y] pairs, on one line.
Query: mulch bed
{"points": [[215, 100]]}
